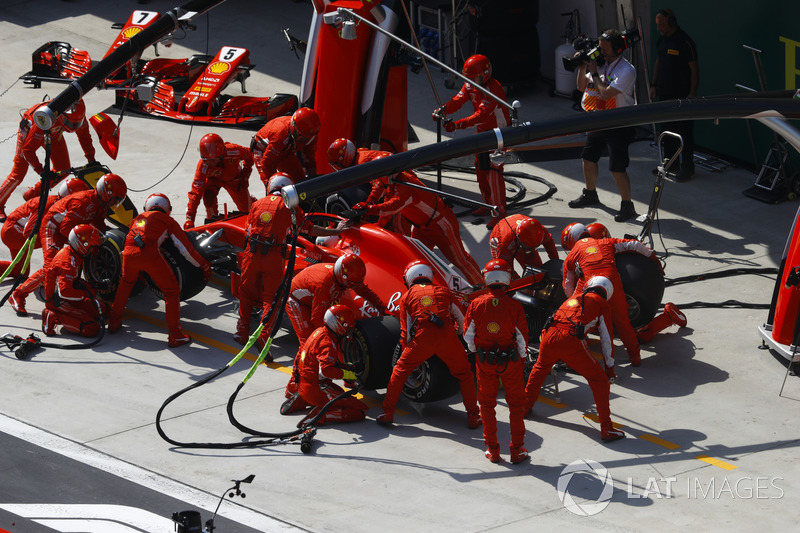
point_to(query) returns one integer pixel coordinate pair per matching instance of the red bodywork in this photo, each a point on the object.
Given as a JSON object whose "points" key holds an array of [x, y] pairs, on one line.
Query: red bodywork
{"points": [[385, 253]]}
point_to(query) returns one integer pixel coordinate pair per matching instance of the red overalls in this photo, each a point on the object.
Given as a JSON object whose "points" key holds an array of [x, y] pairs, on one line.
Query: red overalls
{"points": [[433, 222], [504, 243], [276, 150], [151, 229], [487, 116], [494, 324], [422, 339], [560, 342], [232, 174]]}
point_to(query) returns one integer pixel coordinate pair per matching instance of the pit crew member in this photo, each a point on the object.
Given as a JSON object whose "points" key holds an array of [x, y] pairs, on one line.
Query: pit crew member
{"points": [[429, 315], [589, 257], [318, 362], [142, 255], [516, 237], [222, 165], [287, 144], [30, 138], [564, 338], [82, 207], [19, 224], [496, 331], [488, 114], [70, 301]]}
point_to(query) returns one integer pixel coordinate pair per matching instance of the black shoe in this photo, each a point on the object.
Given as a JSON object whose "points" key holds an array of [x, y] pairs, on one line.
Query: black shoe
{"points": [[684, 175], [626, 211], [586, 198]]}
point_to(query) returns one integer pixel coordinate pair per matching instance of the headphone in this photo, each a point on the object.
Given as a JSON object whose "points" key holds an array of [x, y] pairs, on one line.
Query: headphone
{"points": [[616, 40], [672, 20]]}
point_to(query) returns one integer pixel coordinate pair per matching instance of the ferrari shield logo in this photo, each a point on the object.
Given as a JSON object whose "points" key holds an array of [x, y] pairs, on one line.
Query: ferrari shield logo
{"points": [[495, 302]]}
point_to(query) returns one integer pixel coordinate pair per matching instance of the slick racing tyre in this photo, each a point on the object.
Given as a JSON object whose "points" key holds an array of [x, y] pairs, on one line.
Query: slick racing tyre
{"points": [[371, 344], [190, 278], [429, 382], [644, 286], [107, 264]]}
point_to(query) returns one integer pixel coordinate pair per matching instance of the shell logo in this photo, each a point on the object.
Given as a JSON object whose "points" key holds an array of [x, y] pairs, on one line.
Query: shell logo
{"points": [[266, 217], [426, 301], [591, 250], [493, 327], [219, 67], [141, 222], [130, 32], [572, 302]]}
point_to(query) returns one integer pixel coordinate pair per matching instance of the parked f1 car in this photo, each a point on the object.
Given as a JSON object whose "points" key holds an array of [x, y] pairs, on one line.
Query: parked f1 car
{"points": [[375, 339], [187, 89]]}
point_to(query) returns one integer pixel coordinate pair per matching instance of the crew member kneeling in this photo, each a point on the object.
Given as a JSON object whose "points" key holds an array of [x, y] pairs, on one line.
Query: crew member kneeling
{"points": [[321, 355], [70, 301]]}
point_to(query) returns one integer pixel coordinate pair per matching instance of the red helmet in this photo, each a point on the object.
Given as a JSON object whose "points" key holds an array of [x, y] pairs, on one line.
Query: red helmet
{"points": [[83, 238], [478, 68], [158, 202], [530, 233], [417, 271], [305, 123], [278, 181], [71, 185], [74, 116], [497, 272], [598, 231], [349, 270], [112, 190], [211, 147], [340, 319], [341, 153], [600, 282], [572, 234]]}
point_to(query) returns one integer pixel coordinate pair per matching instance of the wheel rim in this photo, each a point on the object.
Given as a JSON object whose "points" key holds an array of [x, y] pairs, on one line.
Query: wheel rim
{"points": [[633, 308]]}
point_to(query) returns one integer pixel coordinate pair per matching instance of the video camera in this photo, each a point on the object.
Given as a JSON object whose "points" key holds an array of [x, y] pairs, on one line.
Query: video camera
{"points": [[589, 49]]}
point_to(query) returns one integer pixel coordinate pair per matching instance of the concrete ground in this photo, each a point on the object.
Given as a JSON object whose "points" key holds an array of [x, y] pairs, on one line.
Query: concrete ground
{"points": [[710, 441]]}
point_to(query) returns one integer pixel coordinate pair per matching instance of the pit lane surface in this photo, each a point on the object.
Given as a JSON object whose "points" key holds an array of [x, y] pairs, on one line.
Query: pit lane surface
{"points": [[710, 443]]}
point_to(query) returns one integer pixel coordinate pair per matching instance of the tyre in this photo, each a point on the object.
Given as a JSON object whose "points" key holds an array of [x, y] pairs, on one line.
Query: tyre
{"points": [[372, 344], [429, 382], [344, 200], [107, 264], [190, 278], [644, 286]]}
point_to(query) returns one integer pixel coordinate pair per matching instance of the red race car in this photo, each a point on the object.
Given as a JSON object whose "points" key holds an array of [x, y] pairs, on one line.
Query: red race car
{"points": [[188, 89]]}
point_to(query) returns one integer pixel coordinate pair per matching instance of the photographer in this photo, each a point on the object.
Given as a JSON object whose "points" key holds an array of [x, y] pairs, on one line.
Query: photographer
{"points": [[607, 82]]}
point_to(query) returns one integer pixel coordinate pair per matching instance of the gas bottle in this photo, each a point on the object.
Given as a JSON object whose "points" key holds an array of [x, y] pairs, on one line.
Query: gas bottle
{"points": [[565, 80]]}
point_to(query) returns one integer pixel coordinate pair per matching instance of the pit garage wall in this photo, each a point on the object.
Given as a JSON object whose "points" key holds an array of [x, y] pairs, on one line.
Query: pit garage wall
{"points": [[719, 29]]}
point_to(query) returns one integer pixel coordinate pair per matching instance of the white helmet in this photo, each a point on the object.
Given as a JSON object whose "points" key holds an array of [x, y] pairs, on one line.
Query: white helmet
{"points": [[596, 283], [416, 271], [158, 201], [497, 272], [278, 181]]}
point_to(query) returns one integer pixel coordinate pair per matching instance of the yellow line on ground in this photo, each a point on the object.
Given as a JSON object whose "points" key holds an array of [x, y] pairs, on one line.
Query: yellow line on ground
{"points": [[716, 462], [552, 403], [661, 442], [594, 418]]}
